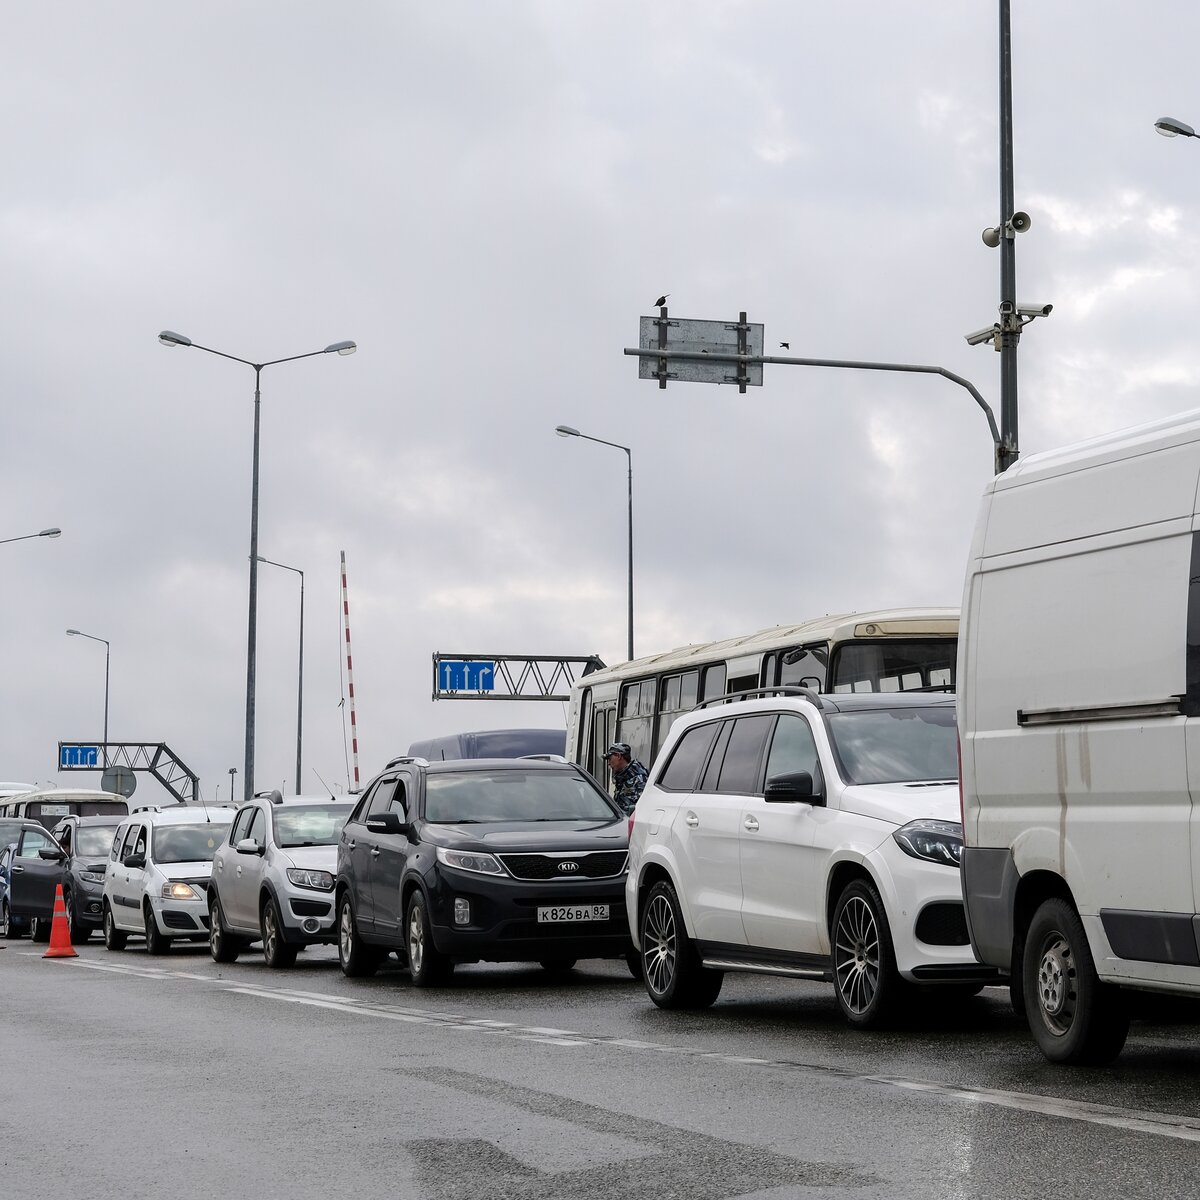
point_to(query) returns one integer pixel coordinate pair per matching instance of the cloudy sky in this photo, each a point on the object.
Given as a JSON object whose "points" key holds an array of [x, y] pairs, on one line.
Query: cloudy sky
{"points": [[486, 197]]}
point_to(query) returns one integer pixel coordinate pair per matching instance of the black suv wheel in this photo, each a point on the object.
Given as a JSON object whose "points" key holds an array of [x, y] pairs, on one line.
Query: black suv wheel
{"points": [[671, 967], [426, 965], [356, 957]]}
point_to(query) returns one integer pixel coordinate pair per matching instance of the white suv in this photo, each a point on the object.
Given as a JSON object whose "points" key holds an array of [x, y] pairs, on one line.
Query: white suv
{"points": [[805, 835], [273, 879], [158, 873]]}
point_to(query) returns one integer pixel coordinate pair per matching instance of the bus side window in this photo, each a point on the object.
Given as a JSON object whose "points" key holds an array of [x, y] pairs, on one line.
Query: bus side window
{"points": [[714, 682], [804, 663]]}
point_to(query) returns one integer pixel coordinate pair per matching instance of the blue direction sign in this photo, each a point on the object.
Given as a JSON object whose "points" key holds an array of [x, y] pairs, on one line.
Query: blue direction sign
{"points": [[467, 675], [76, 755]]}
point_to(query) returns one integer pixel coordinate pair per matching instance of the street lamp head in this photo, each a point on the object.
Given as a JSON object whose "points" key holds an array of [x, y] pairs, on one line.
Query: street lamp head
{"points": [[173, 339], [1169, 127], [341, 348], [567, 431], [50, 533], [72, 633]]}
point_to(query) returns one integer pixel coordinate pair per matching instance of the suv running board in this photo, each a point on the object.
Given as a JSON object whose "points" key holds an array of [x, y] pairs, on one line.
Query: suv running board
{"points": [[765, 968]]}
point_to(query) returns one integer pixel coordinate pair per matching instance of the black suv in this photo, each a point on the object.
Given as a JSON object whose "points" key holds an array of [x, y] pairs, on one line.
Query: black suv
{"points": [[504, 860], [86, 842]]}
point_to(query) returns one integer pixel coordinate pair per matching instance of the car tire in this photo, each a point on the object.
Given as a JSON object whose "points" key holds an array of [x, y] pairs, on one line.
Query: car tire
{"points": [[1074, 1017], [223, 946], [39, 929], [671, 968], [8, 930], [277, 953], [557, 966], [868, 987], [357, 959], [156, 941], [79, 933], [114, 938], [427, 966]]}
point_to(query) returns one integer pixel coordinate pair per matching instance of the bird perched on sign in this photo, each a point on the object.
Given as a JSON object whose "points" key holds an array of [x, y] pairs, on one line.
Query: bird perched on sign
{"points": [[785, 345], [661, 300]]}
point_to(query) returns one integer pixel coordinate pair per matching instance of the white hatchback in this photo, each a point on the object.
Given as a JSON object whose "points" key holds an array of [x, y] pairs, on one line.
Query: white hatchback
{"points": [[158, 876], [804, 835]]}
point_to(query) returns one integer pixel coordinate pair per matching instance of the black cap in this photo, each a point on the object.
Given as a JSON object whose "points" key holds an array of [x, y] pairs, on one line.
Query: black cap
{"points": [[621, 748]]}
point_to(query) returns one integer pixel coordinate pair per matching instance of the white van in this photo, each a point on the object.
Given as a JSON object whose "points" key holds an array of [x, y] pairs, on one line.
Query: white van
{"points": [[1079, 719]]}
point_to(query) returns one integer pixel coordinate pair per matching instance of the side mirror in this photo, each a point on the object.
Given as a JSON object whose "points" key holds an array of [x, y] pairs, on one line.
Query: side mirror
{"points": [[248, 846], [135, 862], [51, 854], [386, 822], [796, 787]]}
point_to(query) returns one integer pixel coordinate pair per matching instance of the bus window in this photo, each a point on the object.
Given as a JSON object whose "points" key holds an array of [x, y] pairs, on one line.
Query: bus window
{"points": [[805, 667], [636, 723], [714, 682], [678, 694], [893, 667]]}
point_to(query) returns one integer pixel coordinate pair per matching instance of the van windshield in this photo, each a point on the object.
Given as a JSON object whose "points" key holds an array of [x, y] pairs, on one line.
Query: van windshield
{"points": [[895, 745], [470, 797], [187, 843]]}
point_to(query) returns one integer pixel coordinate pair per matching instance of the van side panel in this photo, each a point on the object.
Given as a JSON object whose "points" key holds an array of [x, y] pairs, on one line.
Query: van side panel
{"points": [[1076, 607]]}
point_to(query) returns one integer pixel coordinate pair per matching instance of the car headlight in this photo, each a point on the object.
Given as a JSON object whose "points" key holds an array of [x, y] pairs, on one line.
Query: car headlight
{"points": [[92, 876], [470, 860], [179, 891], [934, 841], [321, 881]]}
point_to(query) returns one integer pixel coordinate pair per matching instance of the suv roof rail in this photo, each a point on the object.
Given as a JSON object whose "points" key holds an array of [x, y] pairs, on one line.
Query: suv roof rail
{"points": [[407, 758], [761, 693]]}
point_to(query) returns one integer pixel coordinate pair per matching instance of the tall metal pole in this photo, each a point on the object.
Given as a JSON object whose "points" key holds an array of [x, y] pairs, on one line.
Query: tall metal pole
{"points": [[252, 619], [1010, 324], [106, 650], [629, 455], [300, 692]]}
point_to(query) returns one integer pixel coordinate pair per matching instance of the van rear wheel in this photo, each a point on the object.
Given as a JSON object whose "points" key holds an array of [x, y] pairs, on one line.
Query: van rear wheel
{"points": [[1074, 1017]]}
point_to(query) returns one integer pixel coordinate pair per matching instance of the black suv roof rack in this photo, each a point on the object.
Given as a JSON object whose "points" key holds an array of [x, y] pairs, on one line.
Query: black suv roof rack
{"points": [[761, 693], [407, 758]]}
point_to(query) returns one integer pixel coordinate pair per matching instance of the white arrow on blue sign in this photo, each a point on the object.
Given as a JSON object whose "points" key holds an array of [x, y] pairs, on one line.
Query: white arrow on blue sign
{"points": [[463, 675], [78, 756]]}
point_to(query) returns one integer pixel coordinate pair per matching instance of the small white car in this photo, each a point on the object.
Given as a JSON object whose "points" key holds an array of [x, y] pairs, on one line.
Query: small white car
{"points": [[273, 879], [158, 875], [806, 835]]}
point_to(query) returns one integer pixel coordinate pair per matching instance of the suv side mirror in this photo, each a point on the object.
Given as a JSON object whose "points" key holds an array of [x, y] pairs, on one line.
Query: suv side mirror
{"points": [[386, 822], [248, 846], [135, 862], [793, 788], [51, 854]]}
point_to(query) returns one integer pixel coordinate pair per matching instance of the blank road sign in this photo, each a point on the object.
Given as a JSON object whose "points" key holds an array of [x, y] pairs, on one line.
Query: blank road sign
{"points": [[700, 337]]}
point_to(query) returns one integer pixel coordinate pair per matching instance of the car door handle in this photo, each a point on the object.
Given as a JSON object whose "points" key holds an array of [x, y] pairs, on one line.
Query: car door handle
{"points": [[692, 820], [374, 851], [750, 823], [18, 870], [350, 845]]}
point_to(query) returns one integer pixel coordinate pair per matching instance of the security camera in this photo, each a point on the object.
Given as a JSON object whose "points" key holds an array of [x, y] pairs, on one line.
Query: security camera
{"points": [[1035, 310], [982, 335], [1006, 308]]}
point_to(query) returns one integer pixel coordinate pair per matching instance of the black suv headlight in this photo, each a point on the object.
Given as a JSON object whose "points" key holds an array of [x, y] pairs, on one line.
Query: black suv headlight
{"points": [[470, 860], [934, 841]]}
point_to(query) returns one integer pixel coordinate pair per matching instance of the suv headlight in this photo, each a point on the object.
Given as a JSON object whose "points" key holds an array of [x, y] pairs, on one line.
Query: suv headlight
{"points": [[934, 841], [179, 891], [470, 860], [92, 876], [321, 881]]}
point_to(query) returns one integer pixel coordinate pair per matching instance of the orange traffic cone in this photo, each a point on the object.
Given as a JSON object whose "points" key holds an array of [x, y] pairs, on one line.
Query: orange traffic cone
{"points": [[60, 931]]}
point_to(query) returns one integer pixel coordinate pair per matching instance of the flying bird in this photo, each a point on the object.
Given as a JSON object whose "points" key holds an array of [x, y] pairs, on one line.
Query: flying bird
{"points": [[661, 300], [785, 345]]}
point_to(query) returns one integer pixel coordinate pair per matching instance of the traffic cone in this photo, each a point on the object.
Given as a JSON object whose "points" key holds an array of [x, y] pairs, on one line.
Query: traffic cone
{"points": [[60, 931]]}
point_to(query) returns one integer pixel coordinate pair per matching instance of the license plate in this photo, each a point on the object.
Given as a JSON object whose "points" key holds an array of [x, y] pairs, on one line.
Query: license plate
{"points": [[573, 912]]}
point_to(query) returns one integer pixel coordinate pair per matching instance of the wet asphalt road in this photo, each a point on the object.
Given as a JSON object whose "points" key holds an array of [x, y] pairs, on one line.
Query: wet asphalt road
{"points": [[136, 1077]]}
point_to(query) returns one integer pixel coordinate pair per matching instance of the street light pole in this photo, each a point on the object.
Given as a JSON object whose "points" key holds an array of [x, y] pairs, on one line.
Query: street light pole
{"points": [[169, 338], [571, 431], [107, 648], [300, 676], [1010, 326], [47, 533]]}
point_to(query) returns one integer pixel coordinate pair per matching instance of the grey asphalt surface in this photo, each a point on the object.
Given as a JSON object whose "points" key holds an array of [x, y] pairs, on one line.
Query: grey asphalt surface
{"points": [[129, 1076]]}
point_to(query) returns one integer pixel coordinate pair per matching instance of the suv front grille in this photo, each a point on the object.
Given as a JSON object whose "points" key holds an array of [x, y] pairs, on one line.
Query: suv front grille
{"points": [[598, 864]]}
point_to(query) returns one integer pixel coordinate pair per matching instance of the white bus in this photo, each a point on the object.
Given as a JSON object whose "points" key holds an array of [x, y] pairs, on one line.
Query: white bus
{"points": [[49, 805], [893, 650]]}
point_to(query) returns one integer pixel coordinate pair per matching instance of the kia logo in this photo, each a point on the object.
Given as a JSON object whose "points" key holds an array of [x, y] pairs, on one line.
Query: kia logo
{"points": [[565, 867]]}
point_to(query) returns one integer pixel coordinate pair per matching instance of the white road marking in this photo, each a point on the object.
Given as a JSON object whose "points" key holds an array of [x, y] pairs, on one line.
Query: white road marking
{"points": [[1182, 1128]]}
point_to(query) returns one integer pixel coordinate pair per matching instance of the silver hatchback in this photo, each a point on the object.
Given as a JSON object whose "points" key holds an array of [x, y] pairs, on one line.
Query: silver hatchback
{"points": [[273, 878]]}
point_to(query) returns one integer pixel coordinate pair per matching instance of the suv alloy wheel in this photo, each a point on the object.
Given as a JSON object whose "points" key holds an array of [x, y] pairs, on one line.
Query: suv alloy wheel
{"points": [[356, 957], [865, 980], [671, 967], [426, 965]]}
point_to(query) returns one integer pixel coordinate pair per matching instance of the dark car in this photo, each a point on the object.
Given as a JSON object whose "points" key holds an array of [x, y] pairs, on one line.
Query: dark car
{"points": [[34, 868], [86, 842], [499, 860]]}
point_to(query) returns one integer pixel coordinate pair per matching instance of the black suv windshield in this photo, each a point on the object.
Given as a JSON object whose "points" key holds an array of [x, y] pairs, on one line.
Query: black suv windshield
{"points": [[895, 745], [312, 825], [457, 797], [187, 843], [94, 841]]}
